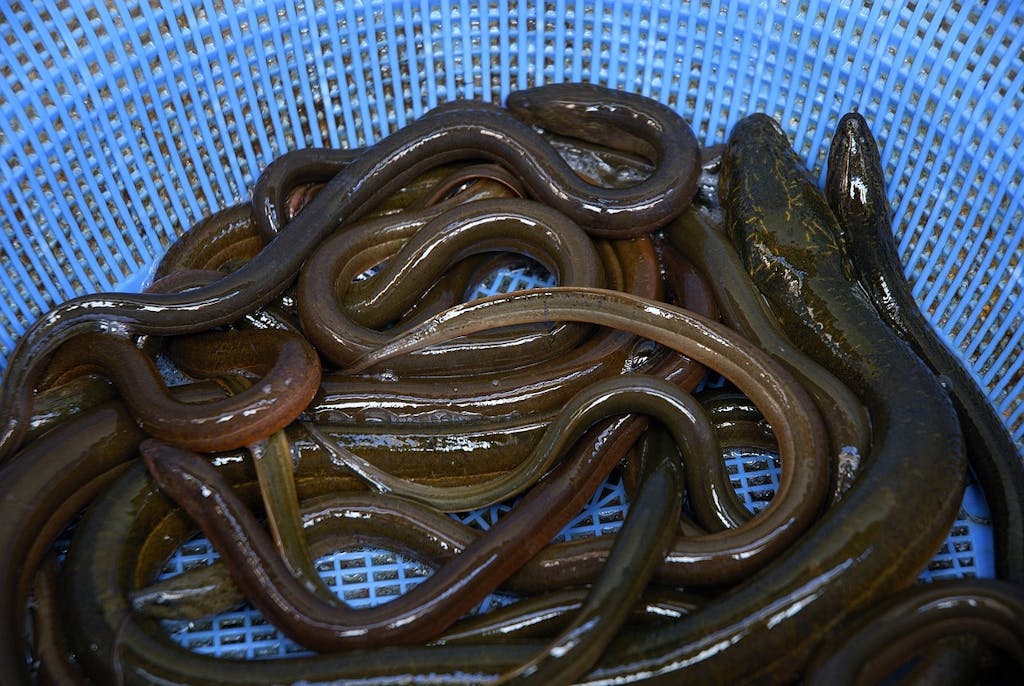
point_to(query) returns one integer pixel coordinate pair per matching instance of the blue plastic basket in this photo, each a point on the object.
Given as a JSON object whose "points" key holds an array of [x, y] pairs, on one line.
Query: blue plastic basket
{"points": [[123, 123]]}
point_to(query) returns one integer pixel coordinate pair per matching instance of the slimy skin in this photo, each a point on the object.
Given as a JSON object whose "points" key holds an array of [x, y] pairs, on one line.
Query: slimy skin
{"points": [[537, 616], [106, 554], [288, 368], [629, 265], [272, 460], [855, 187], [639, 546], [223, 237], [722, 557], [625, 122], [743, 308], [144, 657], [874, 540], [50, 649], [521, 226], [632, 393], [269, 207], [460, 131], [456, 587], [41, 490], [889, 634]]}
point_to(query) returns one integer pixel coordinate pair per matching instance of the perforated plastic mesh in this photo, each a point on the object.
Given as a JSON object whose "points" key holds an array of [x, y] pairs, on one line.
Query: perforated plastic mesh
{"points": [[122, 123]]}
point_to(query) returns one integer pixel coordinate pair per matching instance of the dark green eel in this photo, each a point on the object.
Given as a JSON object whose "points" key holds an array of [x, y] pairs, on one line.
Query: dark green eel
{"points": [[855, 187]]}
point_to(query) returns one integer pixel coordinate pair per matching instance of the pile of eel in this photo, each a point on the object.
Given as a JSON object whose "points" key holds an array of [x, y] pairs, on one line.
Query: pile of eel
{"points": [[308, 372]]}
